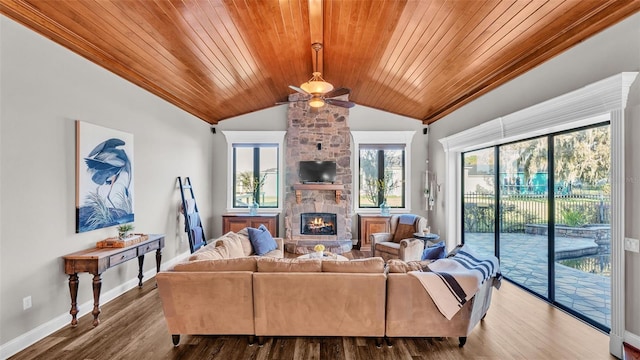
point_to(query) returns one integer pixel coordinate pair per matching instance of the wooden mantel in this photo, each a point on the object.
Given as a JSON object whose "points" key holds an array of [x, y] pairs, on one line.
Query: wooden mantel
{"points": [[331, 187]]}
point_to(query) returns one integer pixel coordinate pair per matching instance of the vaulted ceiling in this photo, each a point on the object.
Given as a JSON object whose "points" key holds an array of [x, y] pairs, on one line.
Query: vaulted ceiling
{"points": [[218, 59]]}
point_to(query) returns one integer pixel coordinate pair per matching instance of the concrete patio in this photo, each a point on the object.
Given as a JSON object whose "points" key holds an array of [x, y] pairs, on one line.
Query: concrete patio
{"points": [[524, 260]]}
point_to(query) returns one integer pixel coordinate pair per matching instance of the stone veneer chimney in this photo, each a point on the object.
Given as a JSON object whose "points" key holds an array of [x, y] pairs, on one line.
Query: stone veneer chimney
{"points": [[306, 129]]}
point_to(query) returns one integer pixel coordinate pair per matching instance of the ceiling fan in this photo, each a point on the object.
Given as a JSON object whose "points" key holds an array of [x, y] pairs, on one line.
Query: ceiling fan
{"points": [[317, 92]]}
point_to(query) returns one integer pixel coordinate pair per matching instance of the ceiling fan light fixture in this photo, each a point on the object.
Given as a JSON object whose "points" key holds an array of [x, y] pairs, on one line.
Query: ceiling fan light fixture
{"points": [[316, 85], [316, 101]]}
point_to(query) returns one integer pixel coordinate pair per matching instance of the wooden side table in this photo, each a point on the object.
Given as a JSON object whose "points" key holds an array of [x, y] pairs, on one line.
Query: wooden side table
{"points": [[95, 261], [427, 237]]}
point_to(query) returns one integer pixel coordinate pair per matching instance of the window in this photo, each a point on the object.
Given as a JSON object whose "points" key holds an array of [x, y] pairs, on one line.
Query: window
{"points": [[254, 169], [255, 175], [382, 175], [383, 169]]}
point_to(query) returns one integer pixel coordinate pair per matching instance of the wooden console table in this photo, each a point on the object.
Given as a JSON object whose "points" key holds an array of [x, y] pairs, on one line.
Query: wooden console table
{"points": [[96, 261]]}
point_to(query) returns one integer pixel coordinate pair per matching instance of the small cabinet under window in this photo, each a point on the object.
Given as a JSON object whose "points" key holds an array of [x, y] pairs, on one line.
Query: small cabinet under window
{"points": [[370, 224], [237, 222]]}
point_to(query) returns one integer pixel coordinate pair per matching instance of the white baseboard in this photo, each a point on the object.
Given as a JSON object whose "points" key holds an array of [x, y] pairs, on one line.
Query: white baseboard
{"points": [[632, 339], [32, 336]]}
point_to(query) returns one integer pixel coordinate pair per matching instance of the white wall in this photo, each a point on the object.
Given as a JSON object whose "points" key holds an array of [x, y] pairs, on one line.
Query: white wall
{"points": [[610, 52], [44, 89], [632, 204]]}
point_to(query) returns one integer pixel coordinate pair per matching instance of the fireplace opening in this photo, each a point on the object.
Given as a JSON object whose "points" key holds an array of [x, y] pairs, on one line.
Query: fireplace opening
{"points": [[318, 224]]}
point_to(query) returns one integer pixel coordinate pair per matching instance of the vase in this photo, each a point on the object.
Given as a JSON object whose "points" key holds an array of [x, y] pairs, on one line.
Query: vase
{"points": [[253, 208], [384, 209]]}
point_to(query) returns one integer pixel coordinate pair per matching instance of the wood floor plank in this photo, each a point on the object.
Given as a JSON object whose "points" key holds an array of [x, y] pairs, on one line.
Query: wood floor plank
{"points": [[518, 326]]}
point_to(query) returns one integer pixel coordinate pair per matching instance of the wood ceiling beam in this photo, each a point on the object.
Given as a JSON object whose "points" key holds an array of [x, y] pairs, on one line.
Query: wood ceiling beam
{"points": [[316, 23]]}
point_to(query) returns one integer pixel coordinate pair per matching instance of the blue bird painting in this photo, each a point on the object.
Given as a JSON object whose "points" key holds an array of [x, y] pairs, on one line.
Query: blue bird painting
{"points": [[110, 202], [106, 162]]}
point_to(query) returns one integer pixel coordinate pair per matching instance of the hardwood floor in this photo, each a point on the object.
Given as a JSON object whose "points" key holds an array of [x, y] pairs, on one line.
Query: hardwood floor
{"points": [[517, 326], [630, 353]]}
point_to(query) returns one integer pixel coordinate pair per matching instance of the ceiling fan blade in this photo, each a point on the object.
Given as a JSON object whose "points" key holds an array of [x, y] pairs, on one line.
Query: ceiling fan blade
{"points": [[297, 89], [341, 103], [337, 92]]}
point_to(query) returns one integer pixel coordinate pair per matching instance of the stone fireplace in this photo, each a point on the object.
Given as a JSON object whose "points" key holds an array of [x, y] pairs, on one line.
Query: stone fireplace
{"points": [[317, 136]]}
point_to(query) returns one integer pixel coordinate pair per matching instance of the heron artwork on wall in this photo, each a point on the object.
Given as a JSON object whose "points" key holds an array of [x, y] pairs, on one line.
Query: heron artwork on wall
{"points": [[104, 177]]}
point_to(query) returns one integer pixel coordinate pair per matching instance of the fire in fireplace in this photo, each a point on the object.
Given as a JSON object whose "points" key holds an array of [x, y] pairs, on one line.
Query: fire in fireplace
{"points": [[318, 224]]}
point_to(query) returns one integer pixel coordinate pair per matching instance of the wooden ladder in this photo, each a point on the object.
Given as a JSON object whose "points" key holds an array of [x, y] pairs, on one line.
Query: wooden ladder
{"points": [[192, 221]]}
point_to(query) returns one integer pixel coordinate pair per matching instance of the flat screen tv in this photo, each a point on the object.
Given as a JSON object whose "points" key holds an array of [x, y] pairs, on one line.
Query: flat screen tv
{"points": [[317, 172]]}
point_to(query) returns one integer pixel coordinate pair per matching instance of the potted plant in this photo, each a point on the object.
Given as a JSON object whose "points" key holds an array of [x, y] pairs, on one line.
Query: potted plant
{"points": [[123, 231], [253, 184], [381, 188]]}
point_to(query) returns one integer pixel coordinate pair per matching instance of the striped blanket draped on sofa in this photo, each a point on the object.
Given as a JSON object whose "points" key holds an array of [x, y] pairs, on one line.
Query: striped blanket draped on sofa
{"points": [[451, 282]]}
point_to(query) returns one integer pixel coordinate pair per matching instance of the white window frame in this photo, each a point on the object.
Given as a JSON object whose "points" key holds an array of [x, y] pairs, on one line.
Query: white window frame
{"points": [[383, 138], [254, 137], [601, 101]]}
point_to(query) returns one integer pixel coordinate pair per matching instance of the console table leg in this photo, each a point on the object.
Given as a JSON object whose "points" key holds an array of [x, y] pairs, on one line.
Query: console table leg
{"points": [[73, 290], [158, 260], [97, 285], [140, 263]]}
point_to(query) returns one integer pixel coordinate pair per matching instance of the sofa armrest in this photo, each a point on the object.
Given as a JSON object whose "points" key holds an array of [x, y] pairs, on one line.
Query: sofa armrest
{"points": [[411, 249], [280, 243]]}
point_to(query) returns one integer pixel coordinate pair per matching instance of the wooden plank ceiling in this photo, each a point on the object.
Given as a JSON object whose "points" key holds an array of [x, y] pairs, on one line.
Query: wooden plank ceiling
{"points": [[222, 58]]}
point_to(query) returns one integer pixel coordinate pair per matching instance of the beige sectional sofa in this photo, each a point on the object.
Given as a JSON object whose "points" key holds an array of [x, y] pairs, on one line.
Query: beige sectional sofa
{"points": [[411, 312], [208, 300], [273, 296], [296, 297]]}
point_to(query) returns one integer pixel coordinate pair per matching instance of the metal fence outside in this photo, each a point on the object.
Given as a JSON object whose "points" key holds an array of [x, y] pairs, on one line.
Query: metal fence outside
{"points": [[516, 210]]}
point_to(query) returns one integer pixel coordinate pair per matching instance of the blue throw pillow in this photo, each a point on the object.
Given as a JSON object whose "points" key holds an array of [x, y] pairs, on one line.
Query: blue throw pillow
{"points": [[261, 240], [434, 252]]}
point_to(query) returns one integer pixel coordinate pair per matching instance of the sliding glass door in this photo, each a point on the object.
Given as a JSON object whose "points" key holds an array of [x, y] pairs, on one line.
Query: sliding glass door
{"points": [[582, 163], [543, 209], [479, 189], [524, 245]]}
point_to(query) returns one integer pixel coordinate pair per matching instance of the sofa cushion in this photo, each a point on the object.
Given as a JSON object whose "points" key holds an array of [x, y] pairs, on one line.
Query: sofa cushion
{"points": [[277, 253], [261, 240], [399, 266], [210, 252], [434, 252], [236, 264], [247, 248], [233, 245], [269, 264], [368, 265]]}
